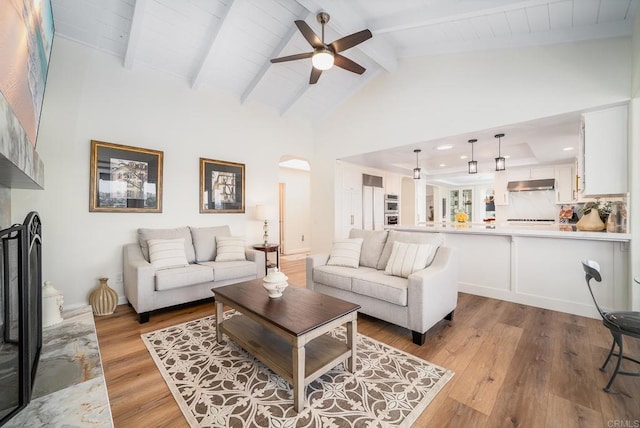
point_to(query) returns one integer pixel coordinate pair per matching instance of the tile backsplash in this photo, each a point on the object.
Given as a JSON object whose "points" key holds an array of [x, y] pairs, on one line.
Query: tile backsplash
{"points": [[536, 204]]}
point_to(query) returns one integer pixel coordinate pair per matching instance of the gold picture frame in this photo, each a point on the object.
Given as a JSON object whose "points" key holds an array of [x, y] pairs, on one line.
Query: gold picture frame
{"points": [[221, 186], [125, 179]]}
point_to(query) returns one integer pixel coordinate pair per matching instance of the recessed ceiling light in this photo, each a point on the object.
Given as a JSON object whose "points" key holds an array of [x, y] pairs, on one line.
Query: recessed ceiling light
{"points": [[444, 147], [442, 164], [568, 149], [463, 157]]}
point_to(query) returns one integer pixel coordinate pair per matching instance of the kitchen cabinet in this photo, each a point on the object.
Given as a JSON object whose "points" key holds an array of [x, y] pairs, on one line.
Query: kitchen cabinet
{"points": [[501, 195], [350, 211], [460, 200], [534, 173], [603, 152], [565, 184]]}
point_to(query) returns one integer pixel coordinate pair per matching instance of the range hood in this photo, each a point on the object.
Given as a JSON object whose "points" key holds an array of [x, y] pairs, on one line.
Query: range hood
{"points": [[526, 185]]}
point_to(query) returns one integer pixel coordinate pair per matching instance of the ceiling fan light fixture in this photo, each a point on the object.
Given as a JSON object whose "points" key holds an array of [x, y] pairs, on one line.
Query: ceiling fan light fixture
{"points": [[416, 170], [322, 59]]}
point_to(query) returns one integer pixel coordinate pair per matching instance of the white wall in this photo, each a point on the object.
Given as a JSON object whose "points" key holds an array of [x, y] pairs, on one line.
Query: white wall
{"points": [[298, 210], [89, 95], [430, 98]]}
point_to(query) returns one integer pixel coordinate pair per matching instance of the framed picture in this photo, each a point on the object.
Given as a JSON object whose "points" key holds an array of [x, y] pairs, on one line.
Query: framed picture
{"points": [[221, 186], [125, 179]]}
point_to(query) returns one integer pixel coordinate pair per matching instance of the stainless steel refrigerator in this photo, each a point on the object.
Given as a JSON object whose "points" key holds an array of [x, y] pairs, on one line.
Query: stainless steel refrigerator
{"points": [[372, 202]]}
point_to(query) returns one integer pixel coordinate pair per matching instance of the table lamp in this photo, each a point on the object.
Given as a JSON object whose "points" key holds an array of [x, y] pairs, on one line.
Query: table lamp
{"points": [[264, 213]]}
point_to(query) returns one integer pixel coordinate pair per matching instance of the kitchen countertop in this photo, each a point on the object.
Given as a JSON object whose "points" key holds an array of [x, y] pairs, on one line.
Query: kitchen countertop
{"points": [[556, 230]]}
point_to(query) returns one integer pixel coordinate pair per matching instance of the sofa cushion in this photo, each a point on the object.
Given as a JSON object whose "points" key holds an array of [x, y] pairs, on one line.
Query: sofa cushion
{"points": [[230, 248], [372, 245], [204, 241], [168, 279], [145, 234], [231, 270], [392, 289], [345, 252], [407, 258], [435, 239], [167, 253], [338, 276]]}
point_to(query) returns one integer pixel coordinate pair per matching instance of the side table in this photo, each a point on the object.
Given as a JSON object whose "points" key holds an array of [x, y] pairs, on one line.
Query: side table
{"points": [[266, 249]]}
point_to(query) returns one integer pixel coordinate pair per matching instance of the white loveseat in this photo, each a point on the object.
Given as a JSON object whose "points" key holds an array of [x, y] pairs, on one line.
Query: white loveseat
{"points": [[417, 301], [151, 282]]}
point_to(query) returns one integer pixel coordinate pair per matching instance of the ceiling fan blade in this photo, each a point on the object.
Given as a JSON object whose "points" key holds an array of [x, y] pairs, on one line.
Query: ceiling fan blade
{"points": [[347, 64], [293, 57], [308, 34], [350, 41], [315, 75]]}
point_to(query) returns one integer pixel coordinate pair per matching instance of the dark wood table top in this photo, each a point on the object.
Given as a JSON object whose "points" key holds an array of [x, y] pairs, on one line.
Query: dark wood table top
{"points": [[298, 311]]}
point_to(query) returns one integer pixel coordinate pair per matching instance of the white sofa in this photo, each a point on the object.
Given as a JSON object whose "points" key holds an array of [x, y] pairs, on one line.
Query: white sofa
{"points": [[148, 287], [416, 302]]}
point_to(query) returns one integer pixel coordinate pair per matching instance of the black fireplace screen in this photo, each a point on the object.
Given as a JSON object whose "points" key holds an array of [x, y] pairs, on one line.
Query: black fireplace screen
{"points": [[20, 313]]}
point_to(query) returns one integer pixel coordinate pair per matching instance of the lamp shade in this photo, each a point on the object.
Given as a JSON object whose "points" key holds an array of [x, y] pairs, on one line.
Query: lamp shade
{"points": [[264, 212]]}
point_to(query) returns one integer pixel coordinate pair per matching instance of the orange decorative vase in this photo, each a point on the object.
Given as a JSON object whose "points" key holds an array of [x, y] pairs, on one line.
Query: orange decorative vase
{"points": [[104, 299]]}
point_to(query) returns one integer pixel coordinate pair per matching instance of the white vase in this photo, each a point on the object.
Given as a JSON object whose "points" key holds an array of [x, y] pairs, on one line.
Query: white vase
{"points": [[52, 301]]}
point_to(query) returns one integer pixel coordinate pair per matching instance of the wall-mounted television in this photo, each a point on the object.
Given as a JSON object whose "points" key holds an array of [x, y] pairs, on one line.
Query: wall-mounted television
{"points": [[26, 37]]}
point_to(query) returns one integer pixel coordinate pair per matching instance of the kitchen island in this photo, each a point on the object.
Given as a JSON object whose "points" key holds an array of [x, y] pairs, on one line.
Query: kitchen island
{"points": [[538, 265]]}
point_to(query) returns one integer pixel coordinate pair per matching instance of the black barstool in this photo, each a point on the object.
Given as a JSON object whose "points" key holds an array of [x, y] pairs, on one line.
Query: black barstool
{"points": [[619, 323]]}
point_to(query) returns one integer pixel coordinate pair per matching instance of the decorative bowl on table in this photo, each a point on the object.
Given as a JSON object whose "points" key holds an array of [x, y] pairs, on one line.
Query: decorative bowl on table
{"points": [[275, 283]]}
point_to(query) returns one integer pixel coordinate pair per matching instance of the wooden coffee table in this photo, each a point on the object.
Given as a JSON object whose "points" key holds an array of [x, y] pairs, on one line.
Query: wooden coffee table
{"points": [[288, 333]]}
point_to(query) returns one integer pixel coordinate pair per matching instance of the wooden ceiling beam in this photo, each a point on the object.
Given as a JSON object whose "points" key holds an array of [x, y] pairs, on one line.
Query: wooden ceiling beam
{"points": [[212, 46], [448, 12], [134, 34], [265, 67]]}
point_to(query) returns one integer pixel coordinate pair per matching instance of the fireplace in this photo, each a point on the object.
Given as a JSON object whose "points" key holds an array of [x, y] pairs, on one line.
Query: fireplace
{"points": [[20, 313]]}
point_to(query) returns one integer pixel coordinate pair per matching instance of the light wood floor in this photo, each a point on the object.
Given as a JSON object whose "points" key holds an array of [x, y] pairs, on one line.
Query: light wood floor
{"points": [[515, 366]]}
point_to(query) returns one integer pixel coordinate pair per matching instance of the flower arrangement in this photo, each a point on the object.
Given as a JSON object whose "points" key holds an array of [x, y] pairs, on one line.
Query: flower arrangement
{"points": [[462, 217], [604, 209]]}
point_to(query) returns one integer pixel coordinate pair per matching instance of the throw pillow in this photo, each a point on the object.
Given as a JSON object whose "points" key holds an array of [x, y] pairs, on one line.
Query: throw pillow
{"points": [[144, 234], [407, 258], [204, 241], [372, 245], [167, 253], [436, 239], [229, 248], [346, 252]]}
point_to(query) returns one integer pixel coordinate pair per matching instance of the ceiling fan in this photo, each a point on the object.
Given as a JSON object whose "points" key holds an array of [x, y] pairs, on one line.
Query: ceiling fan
{"points": [[324, 56]]}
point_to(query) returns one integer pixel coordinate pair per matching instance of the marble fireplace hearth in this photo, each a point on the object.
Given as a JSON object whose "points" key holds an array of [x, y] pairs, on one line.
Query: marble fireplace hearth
{"points": [[70, 388]]}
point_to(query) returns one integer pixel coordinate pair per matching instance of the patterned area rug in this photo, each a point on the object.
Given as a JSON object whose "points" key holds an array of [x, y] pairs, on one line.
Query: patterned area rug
{"points": [[224, 386]]}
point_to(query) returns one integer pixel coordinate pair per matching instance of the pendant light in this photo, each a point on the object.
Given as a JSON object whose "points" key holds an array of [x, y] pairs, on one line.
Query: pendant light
{"points": [[416, 170], [500, 161], [473, 165]]}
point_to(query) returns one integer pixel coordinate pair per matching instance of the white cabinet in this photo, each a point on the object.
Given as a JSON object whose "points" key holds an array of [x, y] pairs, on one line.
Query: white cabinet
{"points": [[460, 200], [501, 195], [603, 155], [535, 173], [351, 216], [350, 211], [565, 184]]}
